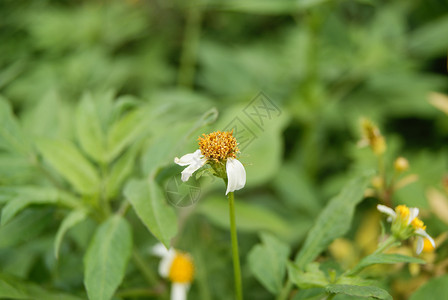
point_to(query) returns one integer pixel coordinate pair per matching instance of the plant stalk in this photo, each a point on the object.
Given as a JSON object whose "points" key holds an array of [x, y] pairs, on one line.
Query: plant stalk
{"points": [[235, 252]]}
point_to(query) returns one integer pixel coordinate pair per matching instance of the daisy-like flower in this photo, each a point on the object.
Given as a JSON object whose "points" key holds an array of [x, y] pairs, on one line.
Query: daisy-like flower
{"points": [[219, 149], [406, 224], [178, 267]]}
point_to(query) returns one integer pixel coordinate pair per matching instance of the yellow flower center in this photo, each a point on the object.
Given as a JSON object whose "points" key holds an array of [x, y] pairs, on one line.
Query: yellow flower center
{"points": [[218, 145], [427, 246], [418, 224], [182, 269], [402, 212]]}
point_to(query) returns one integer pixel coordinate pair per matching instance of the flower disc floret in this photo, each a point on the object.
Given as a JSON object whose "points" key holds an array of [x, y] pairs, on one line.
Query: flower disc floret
{"points": [[182, 268], [218, 145]]}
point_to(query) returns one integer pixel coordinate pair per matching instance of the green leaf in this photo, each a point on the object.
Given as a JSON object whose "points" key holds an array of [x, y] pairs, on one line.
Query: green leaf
{"points": [[436, 288], [268, 262], [358, 291], [24, 227], [334, 221], [382, 258], [11, 135], [69, 162], [126, 130], [11, 290], [88, 129], [430, 39], [14, 288], [250, 217], [149, 203], [106, 258], [310, 294], [26, 196], [312, 277], [120, 171], [266, 6], [71, 220]]}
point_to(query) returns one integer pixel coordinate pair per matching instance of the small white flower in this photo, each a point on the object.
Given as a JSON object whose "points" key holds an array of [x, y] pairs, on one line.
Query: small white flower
{"points": [[407, 216], [177, 267], [216, 148], [421, 240]]}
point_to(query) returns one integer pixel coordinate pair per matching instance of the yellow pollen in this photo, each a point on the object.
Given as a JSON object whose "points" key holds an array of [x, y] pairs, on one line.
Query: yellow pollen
{"points": [[402, 212], [418, 224], [182, 269], [218, 145]]}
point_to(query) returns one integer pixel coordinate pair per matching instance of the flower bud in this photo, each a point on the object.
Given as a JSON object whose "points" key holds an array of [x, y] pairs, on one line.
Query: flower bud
{"points": [[401, 164]]}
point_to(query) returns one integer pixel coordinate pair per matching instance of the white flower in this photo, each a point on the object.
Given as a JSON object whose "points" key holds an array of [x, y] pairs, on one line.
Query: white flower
{"points": [[176, 266], [413, 213], [194, 161], [216, 148], [407, 216]]}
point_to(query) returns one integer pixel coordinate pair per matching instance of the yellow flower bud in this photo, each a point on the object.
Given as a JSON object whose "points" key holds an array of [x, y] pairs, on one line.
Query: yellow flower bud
{"points": [[401, 164]]}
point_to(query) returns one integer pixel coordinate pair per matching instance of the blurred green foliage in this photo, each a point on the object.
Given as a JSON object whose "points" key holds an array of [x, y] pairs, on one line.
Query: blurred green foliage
{"points": [[98, 97]]}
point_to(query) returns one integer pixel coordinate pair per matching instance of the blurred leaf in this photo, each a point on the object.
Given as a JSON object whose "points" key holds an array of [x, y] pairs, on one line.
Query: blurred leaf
{"points": [[334, 221], [265, 6], [11, 135], [24, 227], [310, 294], [75, 217], [12, 288], [121, 170], [430, 39], [89, 131], [14, 169], [26, 196], [436, 288], [358, 291], [267, 262], [124, 131], [312, 277], [69, 162], [106, 259], [249, 217], [297, 189], [382, 258], [149, 203]]}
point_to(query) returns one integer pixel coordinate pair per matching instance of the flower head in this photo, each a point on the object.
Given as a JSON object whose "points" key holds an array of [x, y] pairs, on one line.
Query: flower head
{"points": [[406, 224], [219, 150], [178, 267], [371, 136]]}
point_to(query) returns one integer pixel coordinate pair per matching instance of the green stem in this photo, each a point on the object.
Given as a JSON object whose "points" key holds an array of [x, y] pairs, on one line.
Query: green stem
{"points": [[235, 253], [143, 267], [389, 242], [286, 290]]}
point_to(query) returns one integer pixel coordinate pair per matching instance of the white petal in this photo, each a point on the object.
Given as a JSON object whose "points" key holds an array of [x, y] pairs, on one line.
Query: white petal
{"points": [[236, 175], [179, 291], [194, 161], [165, 263], [388, 211], [420, 244], [413, 213], [188, 159], [424, 234], [159, 250]]}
